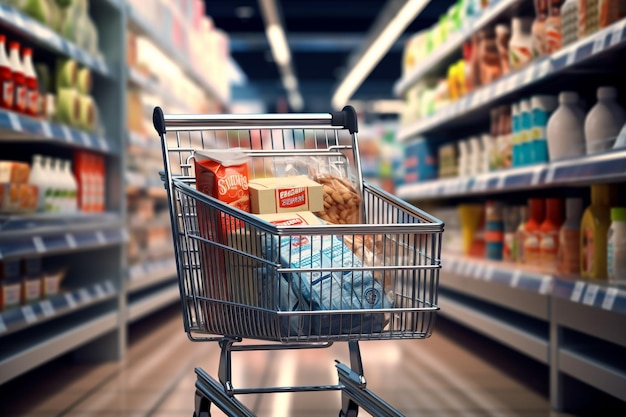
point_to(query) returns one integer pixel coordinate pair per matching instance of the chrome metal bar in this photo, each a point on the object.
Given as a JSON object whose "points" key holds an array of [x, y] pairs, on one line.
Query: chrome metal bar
{"points": [[214, 392], [186, 122]]}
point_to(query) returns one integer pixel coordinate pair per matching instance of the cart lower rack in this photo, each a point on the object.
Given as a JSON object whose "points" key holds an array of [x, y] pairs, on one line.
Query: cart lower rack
{"points": [[360, 265]]}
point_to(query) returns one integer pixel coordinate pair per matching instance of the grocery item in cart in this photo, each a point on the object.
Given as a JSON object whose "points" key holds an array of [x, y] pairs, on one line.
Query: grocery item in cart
{"points": [[342, 202], [285, 194], [345, 285]]}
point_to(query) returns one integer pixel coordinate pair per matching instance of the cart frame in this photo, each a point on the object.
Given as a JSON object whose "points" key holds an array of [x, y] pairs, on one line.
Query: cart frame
{"points": [[405, 253]]}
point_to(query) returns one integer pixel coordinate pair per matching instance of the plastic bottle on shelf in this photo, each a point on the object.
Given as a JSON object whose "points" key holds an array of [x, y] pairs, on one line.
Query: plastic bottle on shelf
{"points": [[538, 29], [594, 226], [520, 46], [494, 231], [610, 11], [554, 27], [46, 163], [542, 108], [549, 232], [32, 84], [616, 246], [71, 186], [503, 37], [569, 238], [520, 233], [620, 142], [511, 218], [6, 77], [488, 146], [476, 154], [515, 133], [588, 17], [526, 126], [565, 132], [59, 202], [38, 176], [19, 81], [569, 22], [463, 159], [604, 121], [532, 237]]}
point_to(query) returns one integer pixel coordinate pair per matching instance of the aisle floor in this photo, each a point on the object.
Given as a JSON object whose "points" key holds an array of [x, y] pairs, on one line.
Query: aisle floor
{"points": [[450, 374]]}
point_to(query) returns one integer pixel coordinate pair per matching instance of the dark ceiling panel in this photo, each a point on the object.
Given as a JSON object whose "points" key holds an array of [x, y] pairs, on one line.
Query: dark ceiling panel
{"points": [[322, 34]]}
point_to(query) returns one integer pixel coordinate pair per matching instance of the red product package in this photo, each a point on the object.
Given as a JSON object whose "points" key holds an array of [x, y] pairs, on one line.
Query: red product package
{"points": [[224, 176]]}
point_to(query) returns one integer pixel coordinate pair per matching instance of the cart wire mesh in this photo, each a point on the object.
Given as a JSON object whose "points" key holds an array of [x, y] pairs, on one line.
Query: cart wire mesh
{"points": [[243, 277]]}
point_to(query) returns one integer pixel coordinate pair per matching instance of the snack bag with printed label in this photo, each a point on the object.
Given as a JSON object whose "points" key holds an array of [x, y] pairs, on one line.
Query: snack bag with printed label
{"points": [[223, 175]]}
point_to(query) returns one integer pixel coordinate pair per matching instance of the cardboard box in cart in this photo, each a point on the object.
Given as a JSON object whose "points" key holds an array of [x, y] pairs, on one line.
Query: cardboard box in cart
{"points": [[285, 194]]}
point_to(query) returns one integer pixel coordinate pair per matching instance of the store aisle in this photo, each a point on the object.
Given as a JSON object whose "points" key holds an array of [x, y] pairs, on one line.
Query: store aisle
{"points": [[448, 375]]}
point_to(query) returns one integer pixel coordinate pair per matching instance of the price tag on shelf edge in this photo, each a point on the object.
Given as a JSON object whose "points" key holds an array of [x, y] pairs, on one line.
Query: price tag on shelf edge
{"points": [[616, 34], [109, 287], [100, 293], [102, 240], [577, 292], [14, 119], [598, 44], [590, 294], [40, 247], [571, 58], [71, 242], [18, 20], [84, 137], [609, 298], [46, 129], [71, 301], [29, 314], [84, 295], [104, 145], [546, 284], [515, 278], [479, 272], [67, 133], [47, 308], [489, 273]]}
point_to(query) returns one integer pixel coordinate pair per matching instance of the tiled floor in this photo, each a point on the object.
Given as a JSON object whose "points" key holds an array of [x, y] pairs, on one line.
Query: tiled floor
{"points": [[454, 373]]}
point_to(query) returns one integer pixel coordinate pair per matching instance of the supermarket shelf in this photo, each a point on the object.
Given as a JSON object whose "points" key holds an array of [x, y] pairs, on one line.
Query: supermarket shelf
{"points": [[515, 335], [16, 127], [46, 234], [138, 23], [54, 307], [590, 169], [476, 102], [468, 275], [46, 37], [153, 302], [454, 44], [48, 344], [146, 83], [137, 182], [147, 274]]}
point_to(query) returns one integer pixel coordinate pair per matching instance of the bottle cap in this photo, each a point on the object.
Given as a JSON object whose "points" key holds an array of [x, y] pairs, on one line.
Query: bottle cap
{"points": [[618, 214], [573, 208], [3, 38], [14, 45], [28, 51], [606, 93], [568, 97]]}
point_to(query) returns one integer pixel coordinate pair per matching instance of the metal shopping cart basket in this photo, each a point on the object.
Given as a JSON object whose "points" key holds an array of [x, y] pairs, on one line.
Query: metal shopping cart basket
{"points": [[293, 286]]}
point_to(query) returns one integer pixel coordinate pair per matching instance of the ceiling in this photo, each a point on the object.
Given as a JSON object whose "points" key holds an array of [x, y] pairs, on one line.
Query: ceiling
{"points": [[324, 36]]}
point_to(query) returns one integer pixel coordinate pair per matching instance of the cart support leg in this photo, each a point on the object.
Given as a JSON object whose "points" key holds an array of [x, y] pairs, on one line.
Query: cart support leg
{"points": [[209, 391], [354, 393], [224, 371]]}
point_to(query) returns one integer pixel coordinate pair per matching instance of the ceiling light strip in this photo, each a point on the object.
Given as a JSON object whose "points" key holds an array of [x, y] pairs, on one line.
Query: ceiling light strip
{"points": [[376, 50]]}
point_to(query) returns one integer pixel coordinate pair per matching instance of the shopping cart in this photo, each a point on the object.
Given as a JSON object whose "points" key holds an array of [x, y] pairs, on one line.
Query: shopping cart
{"points": [[239, 274]]}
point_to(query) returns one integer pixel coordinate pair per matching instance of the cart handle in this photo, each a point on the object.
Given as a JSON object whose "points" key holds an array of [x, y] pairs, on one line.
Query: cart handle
{"points": [[346, 119]]}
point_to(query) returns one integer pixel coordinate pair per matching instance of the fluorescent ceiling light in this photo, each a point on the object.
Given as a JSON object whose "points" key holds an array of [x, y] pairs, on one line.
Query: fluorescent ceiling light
{"points": [[377, 49], [278, 42], [295, 100]]}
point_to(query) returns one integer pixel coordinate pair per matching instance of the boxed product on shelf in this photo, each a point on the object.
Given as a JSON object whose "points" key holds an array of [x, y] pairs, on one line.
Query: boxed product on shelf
{"points": [[18, 198], [420, 164], [32, 278], [10, 284], [51, 281], [15, 172]]}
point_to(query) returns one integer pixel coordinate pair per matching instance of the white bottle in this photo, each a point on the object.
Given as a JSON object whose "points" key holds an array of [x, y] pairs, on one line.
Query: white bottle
{"points": [[49, 198], [521, 43], [6, 77], [620, 142], [604, 121], [463, 158], [38, 176], [71, 187], [59, 204], [488, 146], [565, 132], [476, 155], [616, 246]]}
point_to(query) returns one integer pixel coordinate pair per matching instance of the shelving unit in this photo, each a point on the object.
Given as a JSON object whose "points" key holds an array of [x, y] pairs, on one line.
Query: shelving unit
{"points": [[573, 326], [102, 292]]}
